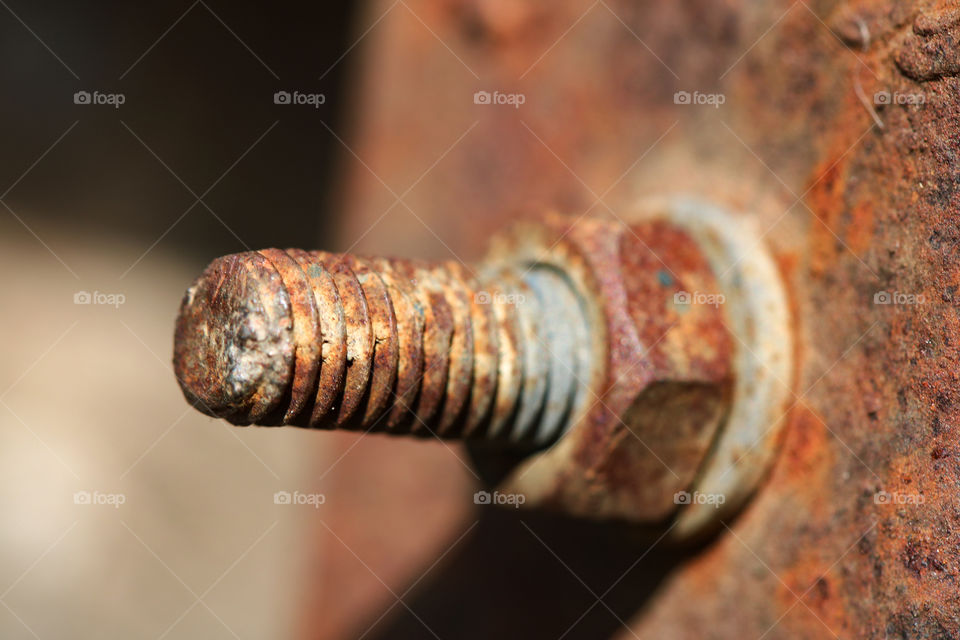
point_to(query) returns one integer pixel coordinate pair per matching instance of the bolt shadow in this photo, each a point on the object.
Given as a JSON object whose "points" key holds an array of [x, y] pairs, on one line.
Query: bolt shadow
{"points": [[531, 575]]}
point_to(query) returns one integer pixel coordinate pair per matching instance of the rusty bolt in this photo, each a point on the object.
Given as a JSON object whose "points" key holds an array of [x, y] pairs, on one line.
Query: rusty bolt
{"points": [[644, 351], [320, 340], [663, 363], [691, 349]]}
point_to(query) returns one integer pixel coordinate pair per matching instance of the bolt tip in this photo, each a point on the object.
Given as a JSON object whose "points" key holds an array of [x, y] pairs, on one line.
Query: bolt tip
{"points": [[233, 346]]}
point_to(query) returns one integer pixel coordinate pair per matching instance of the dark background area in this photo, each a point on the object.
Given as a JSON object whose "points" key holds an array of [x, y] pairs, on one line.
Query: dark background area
{"points": [[198, 81], [537, 576]]}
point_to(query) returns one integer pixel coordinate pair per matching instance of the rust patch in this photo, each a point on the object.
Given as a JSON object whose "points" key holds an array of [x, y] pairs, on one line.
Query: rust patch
{"points": [[484, 377], [825, 199], [333, 334], [306, 332], [233, 344], [934, 51], [437, 334], [359, 336], [459, 376]]}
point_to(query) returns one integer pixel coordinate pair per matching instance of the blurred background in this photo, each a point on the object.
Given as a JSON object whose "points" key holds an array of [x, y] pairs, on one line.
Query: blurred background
{"points": [[127, 514]]}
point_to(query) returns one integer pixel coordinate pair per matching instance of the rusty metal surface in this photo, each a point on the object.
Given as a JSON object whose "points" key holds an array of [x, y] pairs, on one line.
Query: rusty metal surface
{"points": [[306, 330], [856, 195], [415, 326], [662, 371], [358, 336], [253, 308], [333, 334]]}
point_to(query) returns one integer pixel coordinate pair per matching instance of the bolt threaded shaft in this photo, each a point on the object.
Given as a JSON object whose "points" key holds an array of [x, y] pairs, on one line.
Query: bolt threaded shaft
{"points": [[324, 340]]}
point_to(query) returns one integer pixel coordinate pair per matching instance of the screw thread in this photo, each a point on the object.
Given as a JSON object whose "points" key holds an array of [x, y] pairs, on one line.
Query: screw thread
{"points": [[386, 345]]}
